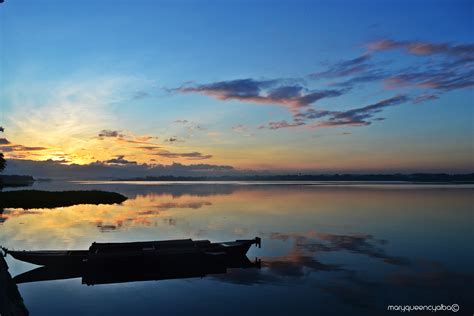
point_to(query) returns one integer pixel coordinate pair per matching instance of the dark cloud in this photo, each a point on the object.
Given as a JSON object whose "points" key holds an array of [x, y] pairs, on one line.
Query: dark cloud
{"points": [[149, 147], [4, 141], [354, 117], [2, 129], [264, 92], [104, 228], [189, 156], [311, 114], [102, 170], [110, 133], [172, 139], [240, 89], [281, 124], [359, 116], [119, 160], [20, 148], [60, 160]]}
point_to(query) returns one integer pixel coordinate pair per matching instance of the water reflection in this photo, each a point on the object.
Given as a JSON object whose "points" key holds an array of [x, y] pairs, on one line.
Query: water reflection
{"points": [[326, 249], [93, 274], [316, 242]]}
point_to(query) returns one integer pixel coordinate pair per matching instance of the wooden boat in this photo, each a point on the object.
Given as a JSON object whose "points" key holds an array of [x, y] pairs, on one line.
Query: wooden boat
{"points": [[133, 252]]}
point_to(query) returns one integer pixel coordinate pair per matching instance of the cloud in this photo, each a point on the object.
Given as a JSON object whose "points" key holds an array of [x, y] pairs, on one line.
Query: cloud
{"points": [[444, 78], [2, 129], [281, 124], [19, 148], [126, 139], [120, 161], [311, 114], [275, 92], [145, 138], [148, 147], [199, 128], [181, 121], [424, 97], [420, 48], [354, 117], [110, 133], [172, 139], [189, 156], [364, 77], [4, 141], [102, 170], [345, 68], [451, 67], [240, 128], [359, 116]]}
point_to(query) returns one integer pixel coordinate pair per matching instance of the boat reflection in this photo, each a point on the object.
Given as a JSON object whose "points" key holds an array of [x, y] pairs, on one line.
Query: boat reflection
{"points": [[11, 302], [93, 274]]}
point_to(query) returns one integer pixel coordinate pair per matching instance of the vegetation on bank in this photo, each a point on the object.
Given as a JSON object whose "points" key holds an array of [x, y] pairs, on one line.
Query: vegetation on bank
{"points": [[48, 199]]}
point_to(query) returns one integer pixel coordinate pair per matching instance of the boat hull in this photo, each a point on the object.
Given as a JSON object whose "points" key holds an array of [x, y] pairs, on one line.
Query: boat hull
{"points": [[161, 252], [52, 257]]}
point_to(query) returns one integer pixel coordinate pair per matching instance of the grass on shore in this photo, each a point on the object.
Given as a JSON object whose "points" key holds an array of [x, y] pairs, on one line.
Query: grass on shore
{"points": [[47, 199]]}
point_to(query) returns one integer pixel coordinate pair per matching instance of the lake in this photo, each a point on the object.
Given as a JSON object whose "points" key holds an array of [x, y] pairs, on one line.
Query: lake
{"points": [[327, 249]]}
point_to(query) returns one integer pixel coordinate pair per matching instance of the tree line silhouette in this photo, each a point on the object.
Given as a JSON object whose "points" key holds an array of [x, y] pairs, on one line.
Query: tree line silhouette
{"points": [[3, 162]]}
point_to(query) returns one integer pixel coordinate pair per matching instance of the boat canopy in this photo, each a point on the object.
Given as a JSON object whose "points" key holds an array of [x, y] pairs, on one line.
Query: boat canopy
{"points": [[177, 243]]}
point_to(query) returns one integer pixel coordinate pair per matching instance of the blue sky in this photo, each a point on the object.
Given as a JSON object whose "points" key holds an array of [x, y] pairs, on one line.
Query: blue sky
{"points": [[72, 70]]}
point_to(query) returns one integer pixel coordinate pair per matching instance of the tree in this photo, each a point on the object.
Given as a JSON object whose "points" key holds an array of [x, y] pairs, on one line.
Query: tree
{"points": [[3, 162]]}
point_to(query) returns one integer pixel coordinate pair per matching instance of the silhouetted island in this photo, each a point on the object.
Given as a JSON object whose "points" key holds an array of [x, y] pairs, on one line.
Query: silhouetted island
{"points": [[47, 199], [15, 181], [411, 178]]}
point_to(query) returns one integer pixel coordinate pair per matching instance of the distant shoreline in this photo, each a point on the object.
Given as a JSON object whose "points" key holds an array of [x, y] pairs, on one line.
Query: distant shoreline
{"points": [[385, 178], [15, 181]]}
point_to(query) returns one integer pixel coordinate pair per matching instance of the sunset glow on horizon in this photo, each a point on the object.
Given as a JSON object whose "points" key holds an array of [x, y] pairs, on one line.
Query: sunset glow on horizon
{"points": [[238, 86]]}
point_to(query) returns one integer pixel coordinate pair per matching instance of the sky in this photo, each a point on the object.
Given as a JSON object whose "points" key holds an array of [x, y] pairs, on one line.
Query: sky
{"points": [[277, 86]]}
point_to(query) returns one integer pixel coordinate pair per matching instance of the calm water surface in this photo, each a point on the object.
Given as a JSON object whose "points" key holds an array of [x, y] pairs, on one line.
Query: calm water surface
{"points": [[327, 249]]}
